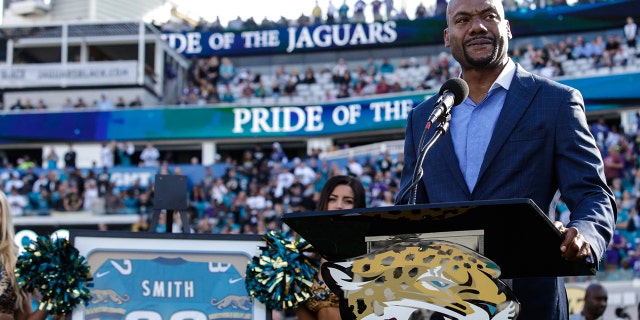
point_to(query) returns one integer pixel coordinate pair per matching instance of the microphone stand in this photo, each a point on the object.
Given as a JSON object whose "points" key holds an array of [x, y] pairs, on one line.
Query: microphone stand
{"points": [[441, 129]]}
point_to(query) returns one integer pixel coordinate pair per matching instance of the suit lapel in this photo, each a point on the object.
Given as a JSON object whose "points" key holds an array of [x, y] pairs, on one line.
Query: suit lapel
{"points": [[450, 157], [443, 152], [521, 93]]}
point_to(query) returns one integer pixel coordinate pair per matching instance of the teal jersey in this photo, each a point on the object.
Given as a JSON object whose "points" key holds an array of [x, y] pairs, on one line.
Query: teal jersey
{"points": [[169, 289]]}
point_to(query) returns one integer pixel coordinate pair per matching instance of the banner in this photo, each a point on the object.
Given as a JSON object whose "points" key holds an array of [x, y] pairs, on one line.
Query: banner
{"points": [[286, 40], [71, 74], [213, 122]]}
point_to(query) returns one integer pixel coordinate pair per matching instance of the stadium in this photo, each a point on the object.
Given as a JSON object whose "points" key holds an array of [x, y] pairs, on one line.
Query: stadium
{"points": [[96, 102]]}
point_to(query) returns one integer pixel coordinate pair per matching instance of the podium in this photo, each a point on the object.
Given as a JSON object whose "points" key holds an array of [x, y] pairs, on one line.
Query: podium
{"points": [[513, 233]]}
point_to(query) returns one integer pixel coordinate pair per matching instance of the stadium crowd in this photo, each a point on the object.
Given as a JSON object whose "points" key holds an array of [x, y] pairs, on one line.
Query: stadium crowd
{"points": [[216, 80], [379, 10]]}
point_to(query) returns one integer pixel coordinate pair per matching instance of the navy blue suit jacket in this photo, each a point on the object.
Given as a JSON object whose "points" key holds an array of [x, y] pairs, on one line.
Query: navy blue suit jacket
{"points": [[541, 144]]}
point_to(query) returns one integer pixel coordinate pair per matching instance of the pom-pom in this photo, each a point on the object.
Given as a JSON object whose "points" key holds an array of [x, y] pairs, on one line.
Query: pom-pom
{"points": [[282, 275], [57, 270]]}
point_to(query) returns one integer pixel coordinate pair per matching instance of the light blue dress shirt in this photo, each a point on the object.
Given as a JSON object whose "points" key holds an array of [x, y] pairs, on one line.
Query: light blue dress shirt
{"points": [[472, 125]]}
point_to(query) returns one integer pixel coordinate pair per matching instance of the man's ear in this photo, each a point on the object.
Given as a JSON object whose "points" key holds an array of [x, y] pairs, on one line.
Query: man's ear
{"points": [[446, 37], [508, 30]]}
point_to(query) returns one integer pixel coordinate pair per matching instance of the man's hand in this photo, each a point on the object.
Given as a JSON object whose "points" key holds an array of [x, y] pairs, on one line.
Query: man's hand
{"points": [[574, 246]]}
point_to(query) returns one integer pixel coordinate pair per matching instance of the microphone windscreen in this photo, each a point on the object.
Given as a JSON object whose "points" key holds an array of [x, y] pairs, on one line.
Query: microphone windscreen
{"points": [[458, 87]]}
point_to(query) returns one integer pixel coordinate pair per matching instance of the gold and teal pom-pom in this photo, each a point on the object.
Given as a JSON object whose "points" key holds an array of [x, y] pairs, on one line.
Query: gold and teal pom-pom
{"points": [[57, 270], [282, 275]]}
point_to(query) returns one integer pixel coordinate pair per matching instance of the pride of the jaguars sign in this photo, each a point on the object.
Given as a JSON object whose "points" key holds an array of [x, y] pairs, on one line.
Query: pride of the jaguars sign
{"points": [[155, 276]]}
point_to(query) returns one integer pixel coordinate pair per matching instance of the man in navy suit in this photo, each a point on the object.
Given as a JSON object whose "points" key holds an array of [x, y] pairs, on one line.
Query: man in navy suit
{"points": [[517, 135]]}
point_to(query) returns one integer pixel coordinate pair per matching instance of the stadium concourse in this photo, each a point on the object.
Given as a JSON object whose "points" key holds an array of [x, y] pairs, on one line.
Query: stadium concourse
{"points": [[244, 185]]}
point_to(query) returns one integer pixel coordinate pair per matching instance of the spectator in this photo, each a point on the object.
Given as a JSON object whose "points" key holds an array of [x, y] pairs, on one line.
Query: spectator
{"points": [[289, 89], [41, 105], [339, 70], [248, 91], [80, 104], [421, 11], [17, 202], [383, 87], [331, 13], [625, 222], [107, 154], [402, 15], [613, 164], [612, 45], [150, 156], [275, 90], [70, 157], [136, 103], [104, 103], [92, 201], [600, 131], [630, 32], [235, 25], [389, 9], [354, 168], [305, 174], [343, 92], [278, 155], [73, 200], [29, 178], [294, 76], [441, 7], [14, 182], [595, 303], [227, 71], [303, 20], [125, 152], [250, 24], [68, 105], [227, 95], [316, 14], [28, 105], [598, 46], [309, 76], [376, 6], [549, 70], [120, 103], [386, 67], [53, 181], [582, 48], [371, 67], [113, 202], [385, 162], [216, 25], [17, 106], [343, 12], [40, 183]]}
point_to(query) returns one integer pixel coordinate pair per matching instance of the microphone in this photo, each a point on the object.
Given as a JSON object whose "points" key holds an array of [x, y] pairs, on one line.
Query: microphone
{"points": [[452, 93]]}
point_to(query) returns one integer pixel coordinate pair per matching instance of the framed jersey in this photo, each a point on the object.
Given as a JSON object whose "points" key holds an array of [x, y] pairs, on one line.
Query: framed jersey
{"points": [[165, 276]]}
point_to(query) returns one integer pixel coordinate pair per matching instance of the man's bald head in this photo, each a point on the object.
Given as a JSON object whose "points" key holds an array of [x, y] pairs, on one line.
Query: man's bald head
{"points": [[495, 3]]}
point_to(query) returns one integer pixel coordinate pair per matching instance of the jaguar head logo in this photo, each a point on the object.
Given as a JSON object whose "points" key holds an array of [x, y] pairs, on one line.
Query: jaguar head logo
{"points": [[440, 276]]}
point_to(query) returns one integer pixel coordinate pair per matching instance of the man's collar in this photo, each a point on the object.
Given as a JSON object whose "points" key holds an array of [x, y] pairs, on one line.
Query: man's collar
{"points": [[506, 76]]}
